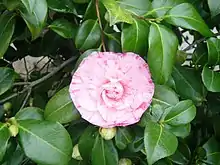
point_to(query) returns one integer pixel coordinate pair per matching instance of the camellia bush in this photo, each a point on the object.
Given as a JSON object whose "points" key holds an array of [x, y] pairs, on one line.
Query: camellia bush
{"points": [[126, 82]]}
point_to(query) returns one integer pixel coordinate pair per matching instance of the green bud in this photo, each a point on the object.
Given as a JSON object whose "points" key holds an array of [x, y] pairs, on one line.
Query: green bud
{"points": [[7, 106], [125, 161], [13, 130], [107, 133], [76, 155]]}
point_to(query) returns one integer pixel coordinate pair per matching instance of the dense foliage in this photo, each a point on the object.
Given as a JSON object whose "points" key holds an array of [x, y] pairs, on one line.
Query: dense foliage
{"points": [[39, 124]]}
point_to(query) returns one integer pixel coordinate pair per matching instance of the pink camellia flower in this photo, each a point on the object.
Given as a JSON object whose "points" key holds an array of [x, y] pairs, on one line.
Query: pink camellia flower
{"points": [[112, 89]]}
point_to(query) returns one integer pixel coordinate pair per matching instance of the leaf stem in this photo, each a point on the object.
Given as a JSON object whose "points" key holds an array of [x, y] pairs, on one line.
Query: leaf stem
{"points": [[100, 24]]}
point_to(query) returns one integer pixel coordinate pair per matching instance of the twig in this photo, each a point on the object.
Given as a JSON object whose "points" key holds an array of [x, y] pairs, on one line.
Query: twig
{"points": [[100, 24], [199, 41], [37, 82], [27, 72], [26, 98], [21, 83]]}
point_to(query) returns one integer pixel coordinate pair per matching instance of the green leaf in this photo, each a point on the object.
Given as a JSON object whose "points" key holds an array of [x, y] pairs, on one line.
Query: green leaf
{"points": [[64, 28], [159, 143], [212, 148], [11, 5], [104, 152], [45, 142], [134, 37], [86, 142], [139, 7], [84, 55], [182, 113], [64, 6], [214, 6], [17, 157], [76, 129], [88, 35], [7, 77], [7, 26], [180, 131], [36, 19], [211, 79], [186, 16], [189, 84], [116, 13], [60, 107], [123, 137], [29, 5], [5, 135], [30, 113], [161, 7], [81, 1], [163, 45], [182, 154], [76, 162], [213, 45], [164, 96]]}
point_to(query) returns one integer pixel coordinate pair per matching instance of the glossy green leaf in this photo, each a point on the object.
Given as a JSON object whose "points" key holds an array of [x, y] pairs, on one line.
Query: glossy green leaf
{"points": [[104, 152], [160, 7], [11, 148], [186, 16], [29, 4], [211, 79], [212, 148], [138, 7], [64, 6], [60, 107], [165, 96], [45, 142], [182, 113], [134, 37], [7, 77], [123, 137], [11, 5], [76, 162], [163, 45], [5, 135], [182, 154], [64, 28], [84, 55], [138, 143], [76, 129], [90, 12], [88, 35], [86, 142], [189, 84], [159, 143], [30, 113], [17, 157], [214, 6], [7, 26], [36, 19], [116, 13], [179, 131], [81, 1], [213, 45]]}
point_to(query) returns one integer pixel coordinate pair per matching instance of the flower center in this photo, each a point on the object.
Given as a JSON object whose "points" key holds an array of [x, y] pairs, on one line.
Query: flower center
{"points": [[113, 90]]}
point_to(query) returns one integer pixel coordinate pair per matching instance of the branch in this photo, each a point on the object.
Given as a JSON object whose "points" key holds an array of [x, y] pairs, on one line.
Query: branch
{"points": [[100, 24], [199, 41], [37, 82]]}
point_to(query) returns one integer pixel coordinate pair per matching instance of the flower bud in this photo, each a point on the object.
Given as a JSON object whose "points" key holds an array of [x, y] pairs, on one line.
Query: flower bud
{"points": [[13, 130], [125, 161], [107, 133], [76, 155], [7, 106]]}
